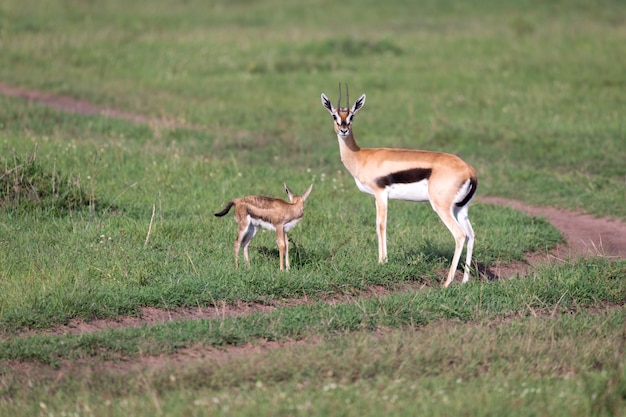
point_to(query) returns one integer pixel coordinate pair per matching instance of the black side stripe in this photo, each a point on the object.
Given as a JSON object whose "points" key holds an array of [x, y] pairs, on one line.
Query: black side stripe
{"points": [[470, 192], [404, 177]]}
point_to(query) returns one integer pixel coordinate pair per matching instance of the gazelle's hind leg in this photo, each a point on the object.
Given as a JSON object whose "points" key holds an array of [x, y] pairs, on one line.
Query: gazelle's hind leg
{"points": [[247, 239], [246, 233], [449, 219], [463, 220]]}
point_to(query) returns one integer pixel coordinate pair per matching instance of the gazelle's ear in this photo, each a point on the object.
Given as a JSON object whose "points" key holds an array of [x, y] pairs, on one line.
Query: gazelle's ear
{"points": [[288, 191], [358, 104], [327, 103], [307, 192]]}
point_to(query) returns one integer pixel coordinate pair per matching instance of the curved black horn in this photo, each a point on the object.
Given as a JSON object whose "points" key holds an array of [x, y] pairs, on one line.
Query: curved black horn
{"points": [[347, 96], [339, 102]]}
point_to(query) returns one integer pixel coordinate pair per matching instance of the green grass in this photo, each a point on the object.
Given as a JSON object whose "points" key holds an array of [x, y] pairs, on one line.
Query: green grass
{"points": [[188, 258], [587, 284], [513, 366], [528, 92]]}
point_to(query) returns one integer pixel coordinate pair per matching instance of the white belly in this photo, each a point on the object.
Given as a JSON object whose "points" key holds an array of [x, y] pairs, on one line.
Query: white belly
{"points": [[269, 226], [261, 223], [290, 225], [416, 191]]}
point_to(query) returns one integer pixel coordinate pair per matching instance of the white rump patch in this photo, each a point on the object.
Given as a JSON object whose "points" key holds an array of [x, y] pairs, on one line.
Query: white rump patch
{"points": [[462, 192]]}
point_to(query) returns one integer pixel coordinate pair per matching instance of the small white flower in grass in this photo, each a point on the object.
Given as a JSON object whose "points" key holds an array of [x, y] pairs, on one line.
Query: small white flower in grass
{"points": [[305, 406], [331, 386], [259, 384]]}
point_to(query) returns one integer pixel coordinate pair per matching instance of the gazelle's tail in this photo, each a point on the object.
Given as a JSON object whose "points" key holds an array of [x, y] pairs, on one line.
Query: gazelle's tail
{"points": [[226, 209], [473, 185]]}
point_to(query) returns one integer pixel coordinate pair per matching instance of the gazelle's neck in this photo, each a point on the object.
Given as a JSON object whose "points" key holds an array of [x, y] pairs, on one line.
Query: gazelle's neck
{"points": [[348, 149], [347, 143]]}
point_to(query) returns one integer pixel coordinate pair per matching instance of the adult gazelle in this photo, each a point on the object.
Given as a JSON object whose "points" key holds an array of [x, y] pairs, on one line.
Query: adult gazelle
{"points": [[444, 180]]}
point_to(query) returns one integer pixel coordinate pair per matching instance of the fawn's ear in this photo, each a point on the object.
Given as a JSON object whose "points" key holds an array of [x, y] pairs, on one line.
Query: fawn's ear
{"points": [[307, 192], [288, 191]]}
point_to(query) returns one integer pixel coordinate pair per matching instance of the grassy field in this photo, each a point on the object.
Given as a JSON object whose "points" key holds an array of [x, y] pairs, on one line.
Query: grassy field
{"points": [[100, 217]]}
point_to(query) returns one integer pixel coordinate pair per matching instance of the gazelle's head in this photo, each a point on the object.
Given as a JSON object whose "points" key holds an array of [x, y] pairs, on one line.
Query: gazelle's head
{"points": [[343, 116]]}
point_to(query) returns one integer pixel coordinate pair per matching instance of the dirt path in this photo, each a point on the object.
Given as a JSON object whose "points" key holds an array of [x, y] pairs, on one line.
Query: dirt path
{"points": [[72, 105], [586, 235]]}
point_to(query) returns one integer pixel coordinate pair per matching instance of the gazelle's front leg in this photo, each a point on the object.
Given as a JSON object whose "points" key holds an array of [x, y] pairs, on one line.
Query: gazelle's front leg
{"points": [[381, 225], [280, 239]]}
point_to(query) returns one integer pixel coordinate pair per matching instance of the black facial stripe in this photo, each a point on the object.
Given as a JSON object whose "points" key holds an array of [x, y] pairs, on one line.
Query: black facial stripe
{"points": [[404, 177]]}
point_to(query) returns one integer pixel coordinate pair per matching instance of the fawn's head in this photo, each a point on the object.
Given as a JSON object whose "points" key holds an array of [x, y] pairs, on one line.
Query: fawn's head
{"points": [[298, 199], [343, 116]]}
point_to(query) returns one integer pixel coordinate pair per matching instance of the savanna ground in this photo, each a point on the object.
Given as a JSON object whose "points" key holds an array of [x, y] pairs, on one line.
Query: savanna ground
{"points": [[125, 126]]}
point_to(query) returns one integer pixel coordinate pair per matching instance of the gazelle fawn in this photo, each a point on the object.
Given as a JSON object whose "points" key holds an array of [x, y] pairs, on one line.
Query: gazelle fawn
{"points": [[255, 211], [445, 180]]}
